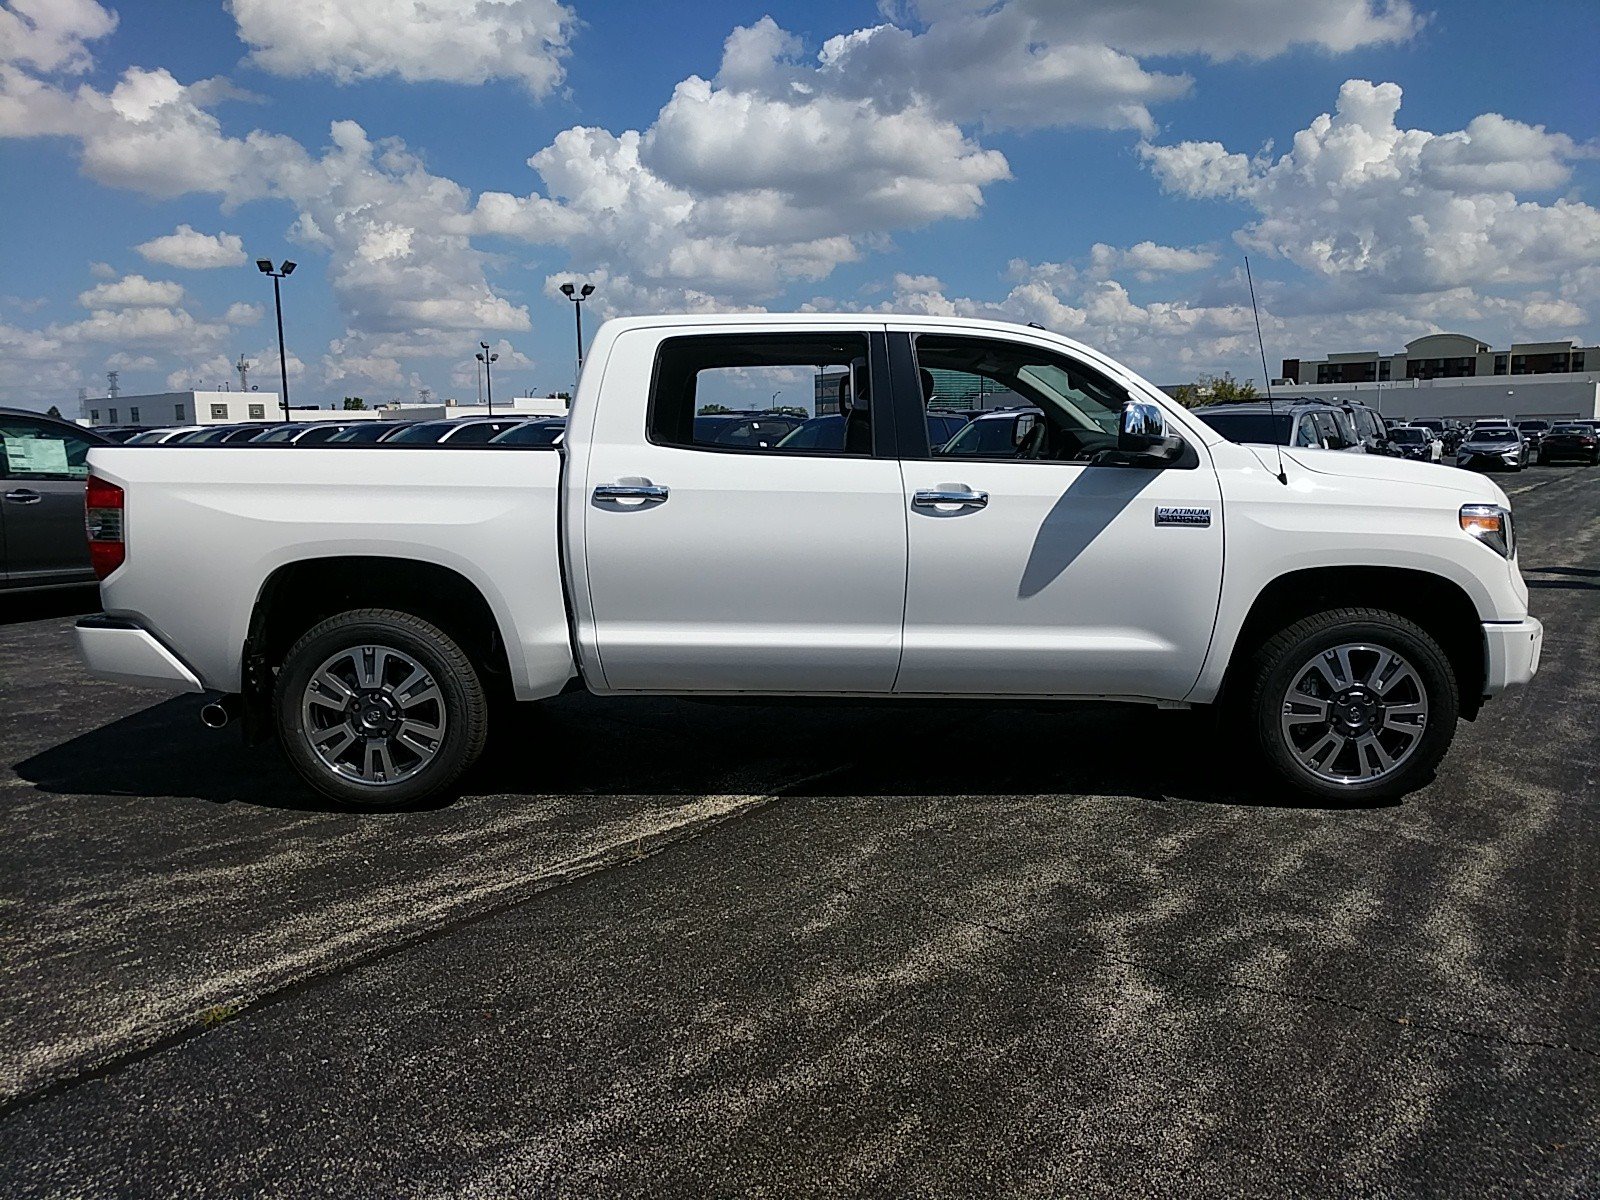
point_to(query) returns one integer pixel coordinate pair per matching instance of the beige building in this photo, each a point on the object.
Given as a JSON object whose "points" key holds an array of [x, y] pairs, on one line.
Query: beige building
{"points": [[1444, 356]]}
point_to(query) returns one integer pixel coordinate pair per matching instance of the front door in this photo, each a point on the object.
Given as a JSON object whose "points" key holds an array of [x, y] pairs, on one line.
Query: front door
{"points": [[42, 473], [720, 563], [1032, 571]]}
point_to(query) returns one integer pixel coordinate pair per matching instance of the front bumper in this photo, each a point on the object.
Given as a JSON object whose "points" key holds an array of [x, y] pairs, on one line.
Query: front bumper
{"points": [[1474, 461], [116, 649], [1510, 653]]}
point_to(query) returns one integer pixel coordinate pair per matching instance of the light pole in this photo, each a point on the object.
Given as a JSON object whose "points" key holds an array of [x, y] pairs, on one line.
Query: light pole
{"points": [[773, 403], [486, 358], [578, 296], [264, 265]]}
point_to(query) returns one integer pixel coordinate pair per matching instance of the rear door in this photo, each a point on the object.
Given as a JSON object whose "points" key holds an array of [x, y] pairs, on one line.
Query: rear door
{"points": [[43, 466], [1032, 571], [717, 567]]}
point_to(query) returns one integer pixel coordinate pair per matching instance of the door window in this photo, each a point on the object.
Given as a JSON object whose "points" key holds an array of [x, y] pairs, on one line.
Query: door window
{"points": [[37, 450], [748, 393], [1051, 408]]}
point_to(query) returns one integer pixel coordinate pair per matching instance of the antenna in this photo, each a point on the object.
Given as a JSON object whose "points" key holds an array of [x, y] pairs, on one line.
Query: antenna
{"points": [[1266, 376], [243, 367], [111, 384]]}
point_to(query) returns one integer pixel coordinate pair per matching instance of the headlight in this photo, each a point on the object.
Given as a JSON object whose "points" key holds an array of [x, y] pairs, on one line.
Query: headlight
{"points": [[1491, 525]]}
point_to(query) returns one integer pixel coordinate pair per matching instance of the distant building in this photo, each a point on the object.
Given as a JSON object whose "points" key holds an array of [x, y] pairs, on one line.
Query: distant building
{"points": [[1444, 356], [227, 408], [1447, 376]]}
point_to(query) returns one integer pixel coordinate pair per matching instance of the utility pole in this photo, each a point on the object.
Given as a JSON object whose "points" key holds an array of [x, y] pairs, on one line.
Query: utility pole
{"points": [[243, 367]]}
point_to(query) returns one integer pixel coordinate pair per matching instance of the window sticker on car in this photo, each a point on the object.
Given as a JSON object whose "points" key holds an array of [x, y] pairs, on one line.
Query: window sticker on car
{"points": [[37, 456], [1199, 517]]}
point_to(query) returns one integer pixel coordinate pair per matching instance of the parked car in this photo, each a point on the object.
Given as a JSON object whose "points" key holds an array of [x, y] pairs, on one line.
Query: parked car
{"points": [[745, 430], [372, 629], [160, 437], [466, 431], [1416, 442], [43, 465], [1570, 443], [1491, 446], [1533, 432], [304, 433], [120, 433], [219, 435], [369, 432], [546, 431], [827, 432], [1311, 425]]}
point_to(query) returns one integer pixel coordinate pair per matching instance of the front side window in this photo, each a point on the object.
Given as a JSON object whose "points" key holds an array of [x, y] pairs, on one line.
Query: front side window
{"points": [[751, 393], [1057, 410], [35, 450]]}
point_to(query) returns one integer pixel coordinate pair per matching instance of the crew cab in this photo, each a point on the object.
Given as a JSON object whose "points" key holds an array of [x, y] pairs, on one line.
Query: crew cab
{"points": [[366, 604]]}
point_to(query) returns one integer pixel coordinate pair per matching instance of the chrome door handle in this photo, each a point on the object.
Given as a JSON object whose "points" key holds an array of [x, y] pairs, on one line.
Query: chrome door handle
{"points": [[936, 498], [24, 496], [630, 491]]}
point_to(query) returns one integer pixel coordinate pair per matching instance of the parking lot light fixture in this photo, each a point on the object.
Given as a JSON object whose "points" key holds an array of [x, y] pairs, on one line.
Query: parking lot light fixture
{"points": [[578, 295], [264, 265], [486, 358]]}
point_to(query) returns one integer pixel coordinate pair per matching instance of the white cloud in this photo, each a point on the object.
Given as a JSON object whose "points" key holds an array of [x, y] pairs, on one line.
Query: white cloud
{"points": [[187, 248], [452, 41], [1219, 29], [51, 35], [1361, 202], [132, 291], [1147, 260], [240, 313]]}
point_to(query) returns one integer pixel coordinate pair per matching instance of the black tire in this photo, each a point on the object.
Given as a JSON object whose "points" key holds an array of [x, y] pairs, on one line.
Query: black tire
{"points": [[1544, 460], [1285, 656], [460, 709]]}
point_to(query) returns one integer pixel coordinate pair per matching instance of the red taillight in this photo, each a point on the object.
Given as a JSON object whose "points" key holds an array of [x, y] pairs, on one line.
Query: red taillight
{"points": [[102, 517]]}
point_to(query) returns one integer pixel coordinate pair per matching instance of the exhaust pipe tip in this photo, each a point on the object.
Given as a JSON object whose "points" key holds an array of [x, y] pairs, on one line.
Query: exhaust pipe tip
{"points": [[217, 713]]}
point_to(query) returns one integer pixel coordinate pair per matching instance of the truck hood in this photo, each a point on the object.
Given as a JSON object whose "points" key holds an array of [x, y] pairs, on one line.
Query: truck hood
{"points": [[1471, 487]]}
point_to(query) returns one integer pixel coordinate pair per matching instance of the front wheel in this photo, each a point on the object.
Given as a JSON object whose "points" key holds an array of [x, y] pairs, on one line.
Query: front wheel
{"points": [[379, 709], [1353, 704]]}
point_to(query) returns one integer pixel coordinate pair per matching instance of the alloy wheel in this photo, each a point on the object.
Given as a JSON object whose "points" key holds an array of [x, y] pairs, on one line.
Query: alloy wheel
{"points": [[1354, 713], [373, 715]]}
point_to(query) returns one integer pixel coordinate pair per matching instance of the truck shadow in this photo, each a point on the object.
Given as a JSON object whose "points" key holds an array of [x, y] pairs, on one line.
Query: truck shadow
{"points": [[580, 745], [40, 606]]}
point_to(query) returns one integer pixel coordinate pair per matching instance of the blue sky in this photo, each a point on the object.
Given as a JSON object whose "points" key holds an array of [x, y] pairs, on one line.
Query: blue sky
{"points": [[1097, 165]]}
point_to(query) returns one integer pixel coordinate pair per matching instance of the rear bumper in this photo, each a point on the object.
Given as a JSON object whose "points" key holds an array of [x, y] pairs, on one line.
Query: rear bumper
{"points": [[1511, 653], [116, 649]]}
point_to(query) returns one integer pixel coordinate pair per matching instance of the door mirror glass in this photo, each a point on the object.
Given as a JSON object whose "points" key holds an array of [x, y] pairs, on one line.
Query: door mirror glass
{"points": [[1023, 428]]}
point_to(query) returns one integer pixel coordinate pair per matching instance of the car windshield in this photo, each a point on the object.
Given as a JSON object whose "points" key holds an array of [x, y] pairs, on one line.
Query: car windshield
{"points": [[1494, 435], [1264, 427], [534, 433], [1535, 426], [1407, 437], [987, 435], [375, 431], [1580, 429], [428, 431]]}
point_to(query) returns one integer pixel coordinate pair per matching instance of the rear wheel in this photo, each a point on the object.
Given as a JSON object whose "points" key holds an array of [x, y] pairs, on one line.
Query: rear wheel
{"points": [[1353, 704], [379, 709]]}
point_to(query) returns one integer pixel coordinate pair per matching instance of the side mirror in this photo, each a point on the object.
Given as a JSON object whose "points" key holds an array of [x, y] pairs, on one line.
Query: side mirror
{"points": [[1142, 437], [1023, 427]]}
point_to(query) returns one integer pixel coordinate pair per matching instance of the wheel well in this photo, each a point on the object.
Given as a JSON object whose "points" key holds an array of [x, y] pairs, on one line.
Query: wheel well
{"points": [[1431, 601], [297, 596]]}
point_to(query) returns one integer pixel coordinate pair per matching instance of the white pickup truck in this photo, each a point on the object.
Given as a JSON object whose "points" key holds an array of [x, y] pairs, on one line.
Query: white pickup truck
{"points": [[692, 537]]}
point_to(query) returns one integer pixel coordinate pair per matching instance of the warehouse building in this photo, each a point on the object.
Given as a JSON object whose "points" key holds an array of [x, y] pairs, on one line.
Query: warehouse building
{"points": [[1453, 376]]}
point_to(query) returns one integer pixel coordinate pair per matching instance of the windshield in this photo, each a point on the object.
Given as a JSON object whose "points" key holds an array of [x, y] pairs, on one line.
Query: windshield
{"points": [[986, 436], [542, 433], [429, 431], [1264, 427], [1493, 435], [1407, 437]]}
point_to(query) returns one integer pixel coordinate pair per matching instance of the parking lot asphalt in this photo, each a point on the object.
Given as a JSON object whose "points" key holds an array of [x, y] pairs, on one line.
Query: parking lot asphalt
{"points": [[671, 948]]}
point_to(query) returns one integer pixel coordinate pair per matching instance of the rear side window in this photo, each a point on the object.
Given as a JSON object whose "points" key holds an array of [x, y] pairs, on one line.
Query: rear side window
{"points": [[747, 393], [35, 450]]}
